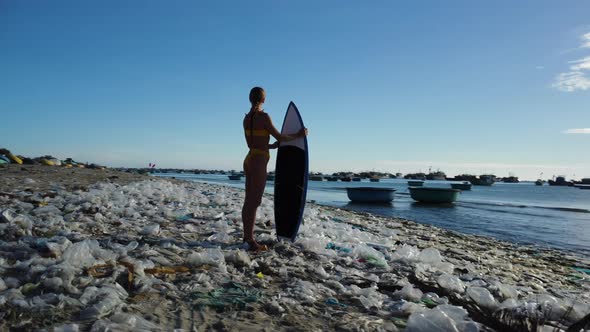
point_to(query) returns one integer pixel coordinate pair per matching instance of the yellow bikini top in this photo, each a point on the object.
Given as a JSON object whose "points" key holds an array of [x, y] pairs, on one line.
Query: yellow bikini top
{"points": [[256, 132]]}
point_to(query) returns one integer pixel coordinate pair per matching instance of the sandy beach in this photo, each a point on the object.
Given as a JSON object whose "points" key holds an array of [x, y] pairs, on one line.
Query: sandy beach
{"points": [[98, 250]]}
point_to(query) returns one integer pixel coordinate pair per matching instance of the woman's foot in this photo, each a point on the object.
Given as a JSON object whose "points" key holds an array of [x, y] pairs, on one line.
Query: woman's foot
{"points": [[255, 246]]}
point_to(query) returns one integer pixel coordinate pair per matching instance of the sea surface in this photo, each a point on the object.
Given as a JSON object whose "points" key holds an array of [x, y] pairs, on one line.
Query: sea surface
{"points": [[544, 216]]}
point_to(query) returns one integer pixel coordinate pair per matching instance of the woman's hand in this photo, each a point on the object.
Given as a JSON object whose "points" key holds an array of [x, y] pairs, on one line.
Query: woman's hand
{"points": [[302, 132], [274, 145]]}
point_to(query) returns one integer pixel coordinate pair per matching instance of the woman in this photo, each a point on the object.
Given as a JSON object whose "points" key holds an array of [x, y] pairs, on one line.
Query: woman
{"points": [[257, 129]]}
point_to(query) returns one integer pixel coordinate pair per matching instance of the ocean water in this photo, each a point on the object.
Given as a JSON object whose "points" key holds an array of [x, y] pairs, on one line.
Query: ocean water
{"points": [[544, 216]]}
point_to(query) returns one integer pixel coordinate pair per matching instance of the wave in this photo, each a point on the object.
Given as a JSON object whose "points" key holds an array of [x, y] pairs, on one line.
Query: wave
{"points": [[524, 206]]}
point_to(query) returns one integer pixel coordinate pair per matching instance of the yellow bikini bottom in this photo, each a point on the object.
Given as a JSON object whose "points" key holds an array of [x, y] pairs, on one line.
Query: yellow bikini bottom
{"points": [[257, 152]]}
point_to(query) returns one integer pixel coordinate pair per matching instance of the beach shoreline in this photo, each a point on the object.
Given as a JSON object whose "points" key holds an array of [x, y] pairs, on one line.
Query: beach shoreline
{"points": [[347, 270]]}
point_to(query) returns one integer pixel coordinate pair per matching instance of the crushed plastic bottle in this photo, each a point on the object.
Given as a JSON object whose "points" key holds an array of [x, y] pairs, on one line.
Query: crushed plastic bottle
{"points": [[451, 283], [211, 256], [443, 318], [430, 256], [408, 292], [482, 297], [102, 301], [152, 229], [86, 253]]}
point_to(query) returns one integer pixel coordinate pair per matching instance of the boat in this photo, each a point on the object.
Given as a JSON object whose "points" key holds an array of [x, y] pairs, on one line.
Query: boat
{"points": [[331, 178], [346, 179], [465, 185], [415, 176], [415, 183], [434, 195], [559, 181], [438, 175], [539, 182], [356, 179], [511, 179], [370, 194], [484, 180], [374, 179], [316, 178], [234, 177]]}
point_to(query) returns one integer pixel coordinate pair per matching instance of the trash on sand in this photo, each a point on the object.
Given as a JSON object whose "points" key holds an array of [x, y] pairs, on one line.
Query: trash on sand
{"points": [[338, 248], [167, 270], [334, 302], [232, 294]]}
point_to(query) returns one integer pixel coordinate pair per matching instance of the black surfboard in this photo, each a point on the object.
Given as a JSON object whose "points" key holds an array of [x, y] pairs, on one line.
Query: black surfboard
{"points": [[292, 172]]}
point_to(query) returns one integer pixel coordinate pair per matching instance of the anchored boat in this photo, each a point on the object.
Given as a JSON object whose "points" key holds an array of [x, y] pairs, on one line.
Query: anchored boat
{"points": [[434, 195], [370, 194], [484, 180]]}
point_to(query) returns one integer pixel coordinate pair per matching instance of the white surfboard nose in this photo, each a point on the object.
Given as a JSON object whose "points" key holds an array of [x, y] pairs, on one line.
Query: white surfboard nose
{"points": [[292, 125]]}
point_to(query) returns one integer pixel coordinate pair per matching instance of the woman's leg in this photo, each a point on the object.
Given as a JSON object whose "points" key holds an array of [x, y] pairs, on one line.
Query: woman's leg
{"points": [[255, 170]]}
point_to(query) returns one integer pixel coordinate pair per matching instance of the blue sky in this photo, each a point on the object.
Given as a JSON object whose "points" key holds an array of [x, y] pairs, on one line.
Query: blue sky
{"points": [[460, 86]]}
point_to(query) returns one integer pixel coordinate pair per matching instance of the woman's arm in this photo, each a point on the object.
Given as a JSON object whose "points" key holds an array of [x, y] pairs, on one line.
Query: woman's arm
{"points": [[280, 137], [273, 145]]}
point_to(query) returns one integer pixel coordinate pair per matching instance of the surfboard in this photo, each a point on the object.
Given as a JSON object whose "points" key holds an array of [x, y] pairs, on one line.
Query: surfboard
{"points": [[291, 175]]}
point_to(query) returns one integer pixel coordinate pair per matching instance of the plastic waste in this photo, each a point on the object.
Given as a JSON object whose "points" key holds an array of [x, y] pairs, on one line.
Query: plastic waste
{"points": [[405, 253], [211, 256], [451, 283], [409, 308], [370, 255], [167, 270], [67, 328], [7, 215], [306, 292], [232, 294], [86, 254], [506, 291], [408, 292], [340, 256], [338, 248], [4, 159], [124, 322], [102, 301], [369, 297], [12, 282], [430, 256], [152, 229], [334, 302], [580, 269], [482, 297], [440, 319], [238, 258], [508, 304], [274, 307]]}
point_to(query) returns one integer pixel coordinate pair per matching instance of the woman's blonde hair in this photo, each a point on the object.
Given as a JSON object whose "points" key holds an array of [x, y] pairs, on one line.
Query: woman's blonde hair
{"points": [[257, 96]]}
